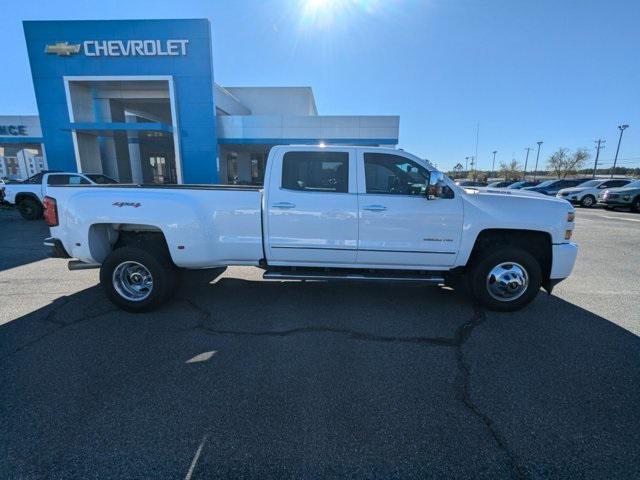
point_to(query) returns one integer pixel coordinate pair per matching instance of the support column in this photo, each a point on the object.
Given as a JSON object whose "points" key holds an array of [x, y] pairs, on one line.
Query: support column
{"points": [[135, 159]]}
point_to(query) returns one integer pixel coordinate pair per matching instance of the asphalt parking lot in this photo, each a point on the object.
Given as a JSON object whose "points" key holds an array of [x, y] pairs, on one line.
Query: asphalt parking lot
{"points": [[243, 378]]}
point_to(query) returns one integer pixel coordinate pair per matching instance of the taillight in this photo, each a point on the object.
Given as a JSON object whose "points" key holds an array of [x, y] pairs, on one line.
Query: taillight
{"points": [[50, 211]]}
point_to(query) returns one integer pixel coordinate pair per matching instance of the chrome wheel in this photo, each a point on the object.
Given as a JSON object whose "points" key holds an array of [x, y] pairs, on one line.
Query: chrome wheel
{"points": [[587, 201], [507, 281], [133, 281]]}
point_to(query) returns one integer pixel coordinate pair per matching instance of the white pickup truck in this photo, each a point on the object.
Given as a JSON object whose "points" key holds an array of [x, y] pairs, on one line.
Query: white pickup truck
{"points": [[324, 213], [28, 195]]}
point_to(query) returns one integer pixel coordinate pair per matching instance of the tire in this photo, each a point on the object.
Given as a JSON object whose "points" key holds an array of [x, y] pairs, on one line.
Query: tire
{"points": [[125, 275], [30, 208], [513, 260], [636, 204], [588, 201]]}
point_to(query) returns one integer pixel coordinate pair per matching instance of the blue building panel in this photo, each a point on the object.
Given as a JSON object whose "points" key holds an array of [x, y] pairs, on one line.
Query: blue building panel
{"points": [[137, 48]]}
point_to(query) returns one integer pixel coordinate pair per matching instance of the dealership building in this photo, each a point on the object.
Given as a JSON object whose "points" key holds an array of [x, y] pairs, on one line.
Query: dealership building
{"points": [[137, 101]]}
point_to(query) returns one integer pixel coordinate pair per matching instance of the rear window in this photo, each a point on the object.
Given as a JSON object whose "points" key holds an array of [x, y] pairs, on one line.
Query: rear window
{"points": [[316, 171], [67, 180], [101, 179]]}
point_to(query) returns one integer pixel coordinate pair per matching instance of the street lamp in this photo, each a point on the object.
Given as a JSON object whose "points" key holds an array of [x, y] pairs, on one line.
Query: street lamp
{"points": [[526, 161], [493, 164], [615, 160], [537, 158], [466, 164]]}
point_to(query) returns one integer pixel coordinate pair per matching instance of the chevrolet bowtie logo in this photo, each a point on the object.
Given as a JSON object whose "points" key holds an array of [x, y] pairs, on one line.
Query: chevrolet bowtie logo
{"points": [[62, 49]]}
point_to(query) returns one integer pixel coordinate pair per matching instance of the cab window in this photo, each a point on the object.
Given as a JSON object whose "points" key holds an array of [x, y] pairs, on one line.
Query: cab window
{"points": [[316, 171], [390, 174]]}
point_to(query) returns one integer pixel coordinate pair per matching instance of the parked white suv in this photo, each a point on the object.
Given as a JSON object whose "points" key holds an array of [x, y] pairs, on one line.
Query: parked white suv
{"points": [[586, 194]]}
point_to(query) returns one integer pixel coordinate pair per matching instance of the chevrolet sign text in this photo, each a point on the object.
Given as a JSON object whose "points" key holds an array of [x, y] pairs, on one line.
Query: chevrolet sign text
{"points": [[141, 48]]}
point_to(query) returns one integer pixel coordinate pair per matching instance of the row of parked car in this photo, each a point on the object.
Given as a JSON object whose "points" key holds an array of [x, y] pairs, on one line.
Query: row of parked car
{"points": [[586, 192]]}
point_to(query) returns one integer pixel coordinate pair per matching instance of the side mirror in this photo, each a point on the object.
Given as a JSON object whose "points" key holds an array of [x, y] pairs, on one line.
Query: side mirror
{"points": [[434, 187]]}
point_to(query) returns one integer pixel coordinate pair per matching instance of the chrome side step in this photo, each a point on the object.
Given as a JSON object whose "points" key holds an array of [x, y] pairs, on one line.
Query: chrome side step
{"points": [[369, 277], [78, 265]]}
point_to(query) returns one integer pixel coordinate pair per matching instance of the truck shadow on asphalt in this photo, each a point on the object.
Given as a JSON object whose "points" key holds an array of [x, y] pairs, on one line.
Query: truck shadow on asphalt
{"points": [[317, 380], [21, 239]]}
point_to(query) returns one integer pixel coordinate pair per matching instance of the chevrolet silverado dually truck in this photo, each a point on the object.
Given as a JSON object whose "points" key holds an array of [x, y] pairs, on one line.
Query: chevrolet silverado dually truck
{"points": [[324, 213], [28, 195]]}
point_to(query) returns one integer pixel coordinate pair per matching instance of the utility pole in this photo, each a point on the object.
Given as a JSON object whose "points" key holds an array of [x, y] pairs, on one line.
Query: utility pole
{"points": [[537, 158], [526, 161], [598, 148], [493, 164], [466, 164], [615, 160]]}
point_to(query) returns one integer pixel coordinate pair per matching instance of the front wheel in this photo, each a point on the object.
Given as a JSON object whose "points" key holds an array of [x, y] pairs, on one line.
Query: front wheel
{"points": [[137, 280], [588, 201], [636, 204], [506, 280]]}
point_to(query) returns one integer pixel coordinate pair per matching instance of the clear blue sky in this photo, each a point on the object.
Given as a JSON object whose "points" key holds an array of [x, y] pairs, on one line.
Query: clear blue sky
{"points": [[563, 71]]}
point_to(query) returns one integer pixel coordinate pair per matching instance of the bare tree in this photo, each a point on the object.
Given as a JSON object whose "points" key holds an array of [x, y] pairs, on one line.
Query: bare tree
{"points": [[511, 170], [563, 163]]}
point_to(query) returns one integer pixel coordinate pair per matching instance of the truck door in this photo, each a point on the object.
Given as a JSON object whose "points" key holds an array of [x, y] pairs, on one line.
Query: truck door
{"points": [[311, 207], [398, 226]]}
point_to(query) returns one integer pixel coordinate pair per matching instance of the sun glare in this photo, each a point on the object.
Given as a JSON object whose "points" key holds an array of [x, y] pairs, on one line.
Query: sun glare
{"points": [[323, 13]]}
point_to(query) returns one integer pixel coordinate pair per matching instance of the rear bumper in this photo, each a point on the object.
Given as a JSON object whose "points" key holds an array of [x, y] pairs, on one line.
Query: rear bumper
{"points": [[564, 257], [56, 249]]}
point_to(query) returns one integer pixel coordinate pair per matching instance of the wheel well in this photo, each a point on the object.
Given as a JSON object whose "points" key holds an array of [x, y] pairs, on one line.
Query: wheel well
{"points": [[106, 237], [537, 243], [21, 196]]}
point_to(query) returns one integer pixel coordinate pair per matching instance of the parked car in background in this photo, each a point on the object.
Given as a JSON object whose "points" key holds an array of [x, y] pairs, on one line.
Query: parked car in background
{"points": [[586, 194], [29, 194], [470, 183], [627, 196], [502, 184], [523, 184], [552, 187]]}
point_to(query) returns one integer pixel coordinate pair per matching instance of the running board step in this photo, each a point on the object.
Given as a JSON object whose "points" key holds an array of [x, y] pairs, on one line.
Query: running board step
{"points": [[78, 265], [379, 276]]}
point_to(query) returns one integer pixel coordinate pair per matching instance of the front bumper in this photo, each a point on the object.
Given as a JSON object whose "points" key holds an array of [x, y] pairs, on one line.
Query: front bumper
{"points": [[56, 249], [614, 203], [564, 258]]}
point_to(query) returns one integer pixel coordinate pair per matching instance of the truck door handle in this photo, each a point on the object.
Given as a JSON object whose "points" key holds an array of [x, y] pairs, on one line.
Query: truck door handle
{"points": [[283, 205], [375, 208]]}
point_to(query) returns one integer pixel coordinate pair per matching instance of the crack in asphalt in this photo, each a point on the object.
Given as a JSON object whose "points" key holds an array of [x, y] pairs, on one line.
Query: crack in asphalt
{"points": [[50, 317], [462, 335]]}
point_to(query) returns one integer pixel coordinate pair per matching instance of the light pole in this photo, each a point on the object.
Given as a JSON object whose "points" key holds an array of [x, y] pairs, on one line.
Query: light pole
{"points": [[526, 161], [535, 170], [466, 164], [615, 160], [493, 164], [598, 148]]}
